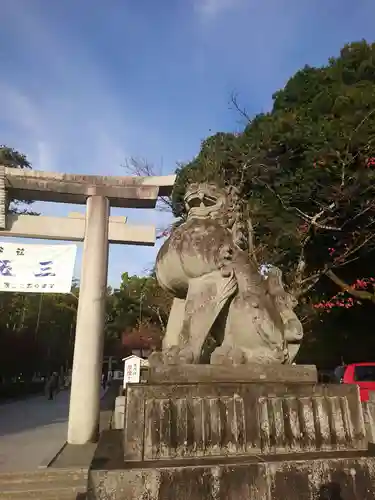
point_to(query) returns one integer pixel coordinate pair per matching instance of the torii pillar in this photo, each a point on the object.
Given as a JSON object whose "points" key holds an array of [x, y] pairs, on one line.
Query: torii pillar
{"points": [[84, 407]]}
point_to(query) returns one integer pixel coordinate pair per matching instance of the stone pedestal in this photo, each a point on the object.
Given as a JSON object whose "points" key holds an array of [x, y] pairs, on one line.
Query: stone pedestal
{"points": [[226, 434], [119, 413]]}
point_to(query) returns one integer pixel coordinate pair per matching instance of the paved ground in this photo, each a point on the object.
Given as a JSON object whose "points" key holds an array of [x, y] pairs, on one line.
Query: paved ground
{"points": [[32, 430], [73, 456]]}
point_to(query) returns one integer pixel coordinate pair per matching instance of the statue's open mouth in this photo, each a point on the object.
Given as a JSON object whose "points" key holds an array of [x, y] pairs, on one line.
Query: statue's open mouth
{"points": [[203, 200], [200, 200]]}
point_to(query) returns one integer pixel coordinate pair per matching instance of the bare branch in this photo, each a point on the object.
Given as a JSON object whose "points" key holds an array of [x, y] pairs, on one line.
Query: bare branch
{"points": [[344, 162], [362, 212], [313, 281], [353, 249], [301, 266], [141, 168], [157, 311], [236, 106], [310, 281], [360, 294], [358, 127], [303, 285], [311, 219]]}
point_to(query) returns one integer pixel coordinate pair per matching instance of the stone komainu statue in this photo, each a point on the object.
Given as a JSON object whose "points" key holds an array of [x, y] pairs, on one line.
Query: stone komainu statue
{"points": [[224, 309]]}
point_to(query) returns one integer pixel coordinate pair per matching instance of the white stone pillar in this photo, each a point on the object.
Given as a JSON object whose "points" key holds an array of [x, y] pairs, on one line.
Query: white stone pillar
{"points": [[88, 348]]}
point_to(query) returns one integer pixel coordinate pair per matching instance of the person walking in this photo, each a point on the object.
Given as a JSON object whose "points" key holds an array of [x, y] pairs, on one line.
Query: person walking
{"points": [[104, 381], [52, 385]]}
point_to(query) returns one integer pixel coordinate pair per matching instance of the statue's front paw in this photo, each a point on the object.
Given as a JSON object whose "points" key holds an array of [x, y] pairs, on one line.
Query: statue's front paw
{"points": [[225, 355], [156, 359], [186, 356], [171, 355], [219, 355], [177, 356]]}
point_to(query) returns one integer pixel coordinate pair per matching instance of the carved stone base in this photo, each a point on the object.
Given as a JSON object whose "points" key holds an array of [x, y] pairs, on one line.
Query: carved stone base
{"points": [[330, 477], [210, 374], [231, 435]]}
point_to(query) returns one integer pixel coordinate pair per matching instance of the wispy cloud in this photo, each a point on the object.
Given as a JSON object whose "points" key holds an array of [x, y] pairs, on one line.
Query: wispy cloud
{"points": [[25, 123], [45, 156], [68, 109], [18, 109], [209, 9]]}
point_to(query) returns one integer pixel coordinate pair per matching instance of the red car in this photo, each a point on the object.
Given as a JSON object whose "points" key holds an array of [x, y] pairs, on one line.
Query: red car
{"points": [[362, 374]]}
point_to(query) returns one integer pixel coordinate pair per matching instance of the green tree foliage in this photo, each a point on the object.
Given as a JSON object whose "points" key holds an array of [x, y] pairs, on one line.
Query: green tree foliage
{"points": [[12, 158], [37, 330], [139, 303], [305, 169]]}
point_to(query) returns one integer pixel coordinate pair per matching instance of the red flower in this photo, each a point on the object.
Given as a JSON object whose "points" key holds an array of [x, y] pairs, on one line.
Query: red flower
{"points": [[360, 284], [340, 300]]}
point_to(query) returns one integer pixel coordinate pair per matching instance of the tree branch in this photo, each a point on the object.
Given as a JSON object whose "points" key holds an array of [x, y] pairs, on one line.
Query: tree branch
{"points": [[141, 168], [311, 219], [353, 249], [360, 294], [236, 106], [308, 283], [157, 311]]}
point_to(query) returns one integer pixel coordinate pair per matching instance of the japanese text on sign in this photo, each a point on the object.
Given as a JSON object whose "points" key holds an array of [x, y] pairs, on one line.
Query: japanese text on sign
{"points": [[132, 371], [36, 268]]}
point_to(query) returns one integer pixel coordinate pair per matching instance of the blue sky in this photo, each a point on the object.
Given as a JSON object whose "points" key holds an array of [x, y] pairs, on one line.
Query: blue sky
{"points": [[86, 84]]}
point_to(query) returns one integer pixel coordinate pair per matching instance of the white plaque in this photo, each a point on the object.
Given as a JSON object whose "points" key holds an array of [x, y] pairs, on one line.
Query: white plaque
{"points": [[36, 268], [132, 370]]}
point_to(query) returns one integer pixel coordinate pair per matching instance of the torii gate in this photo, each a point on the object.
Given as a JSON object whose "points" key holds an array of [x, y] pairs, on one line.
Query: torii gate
{"points": [[97, 231]]}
